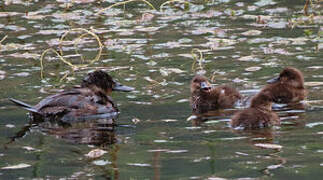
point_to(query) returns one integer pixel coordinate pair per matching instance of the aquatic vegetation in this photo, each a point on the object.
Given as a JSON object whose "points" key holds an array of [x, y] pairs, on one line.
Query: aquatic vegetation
{"points": [[60, 53]]}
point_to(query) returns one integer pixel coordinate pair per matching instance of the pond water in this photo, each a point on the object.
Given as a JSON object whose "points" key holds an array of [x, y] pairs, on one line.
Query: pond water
{"points": [[244, 43]]}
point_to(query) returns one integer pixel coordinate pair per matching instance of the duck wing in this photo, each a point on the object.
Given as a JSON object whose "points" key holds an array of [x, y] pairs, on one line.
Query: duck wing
{"points": [[81, 100]]}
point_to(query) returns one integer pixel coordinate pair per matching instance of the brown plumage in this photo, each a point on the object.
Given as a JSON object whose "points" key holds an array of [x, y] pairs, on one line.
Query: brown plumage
{"points": [[258, 115], [288, 87], [206, 98], [92, 99]]}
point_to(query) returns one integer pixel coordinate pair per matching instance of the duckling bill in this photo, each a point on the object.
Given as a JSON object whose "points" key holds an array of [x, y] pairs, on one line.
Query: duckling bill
{"points": [[206, 98], [92, 99]]}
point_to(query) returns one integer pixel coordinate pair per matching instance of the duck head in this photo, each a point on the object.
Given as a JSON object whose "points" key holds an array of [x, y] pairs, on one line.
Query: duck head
{"points": [[102, 81], [262, 100], [200, 84], [289, 76]]}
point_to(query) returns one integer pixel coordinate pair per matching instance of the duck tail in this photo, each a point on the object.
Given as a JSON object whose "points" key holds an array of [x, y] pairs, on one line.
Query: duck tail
{"points": [[24, 105]]}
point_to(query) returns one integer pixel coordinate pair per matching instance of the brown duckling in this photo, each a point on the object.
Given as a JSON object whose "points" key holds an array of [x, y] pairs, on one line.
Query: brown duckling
{"points": [[288, 87], [206, 98], [92, 99], [258, 115]]}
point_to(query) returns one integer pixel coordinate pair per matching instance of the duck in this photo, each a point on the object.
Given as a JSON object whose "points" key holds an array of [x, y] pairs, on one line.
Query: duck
{"points": [[206, 98], [258, 115], [288, 87], [90, 100]]}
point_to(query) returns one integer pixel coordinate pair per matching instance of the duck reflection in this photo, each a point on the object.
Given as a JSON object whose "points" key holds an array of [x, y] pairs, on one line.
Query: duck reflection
{"points": [[98, 132]]}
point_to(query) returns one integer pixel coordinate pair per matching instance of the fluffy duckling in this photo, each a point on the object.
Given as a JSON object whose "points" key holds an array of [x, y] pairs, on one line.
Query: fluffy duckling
{"points": [[258, 115], [206, 98], [288, 87], [92, 99]]}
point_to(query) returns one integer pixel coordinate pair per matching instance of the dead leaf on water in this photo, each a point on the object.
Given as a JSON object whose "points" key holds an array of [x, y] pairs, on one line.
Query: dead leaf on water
{"points": [[95, 153], [268, 146], [18, 166]]}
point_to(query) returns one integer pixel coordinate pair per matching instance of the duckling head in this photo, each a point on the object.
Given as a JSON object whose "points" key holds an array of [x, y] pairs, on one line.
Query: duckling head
{"points": [[200, 84], [289, 76]]}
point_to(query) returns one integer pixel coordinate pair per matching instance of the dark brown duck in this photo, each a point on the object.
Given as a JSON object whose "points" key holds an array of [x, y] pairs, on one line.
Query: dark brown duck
{"points": [[92, 99], [258, 115], [206, 98]]}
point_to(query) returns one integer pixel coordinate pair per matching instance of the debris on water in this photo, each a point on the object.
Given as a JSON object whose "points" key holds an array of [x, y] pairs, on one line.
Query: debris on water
{"points": [[209, 131], [96, 153], [139, 164], [252, 69], [251, 33], [160, 141], [177, 151], [10, 126], [243, 154], [192, 117], [135, 120], [261, 3], [169, 120], [311, 125], [158, 150], [22, 74], [101, 162], [145, 17], [248, 58], [28, 148], [274, 166], [18, 166], [182, 100], [268, 146], [313, 83]]}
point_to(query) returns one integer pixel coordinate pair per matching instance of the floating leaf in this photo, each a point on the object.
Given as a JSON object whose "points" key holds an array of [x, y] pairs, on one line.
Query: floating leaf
{"points": [[95, 153], [269, 146], [18, 166]]}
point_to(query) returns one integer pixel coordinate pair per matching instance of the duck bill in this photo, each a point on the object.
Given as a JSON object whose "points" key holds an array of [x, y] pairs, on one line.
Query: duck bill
{"points": [[273, 80], [205, 86], [120, 87]]}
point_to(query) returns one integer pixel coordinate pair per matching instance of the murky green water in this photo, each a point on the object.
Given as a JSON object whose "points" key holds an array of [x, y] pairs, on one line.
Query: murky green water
{"points": [[139, 51]]}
